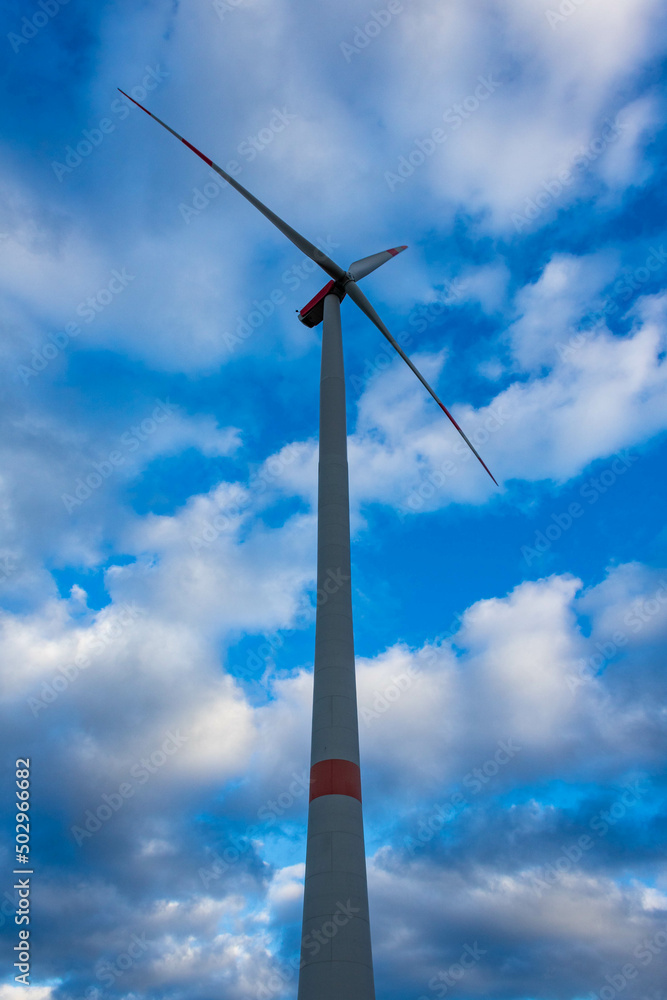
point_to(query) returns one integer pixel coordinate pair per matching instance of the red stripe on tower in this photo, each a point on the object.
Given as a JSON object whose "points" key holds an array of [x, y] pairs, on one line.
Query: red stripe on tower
{"points": [[335, 777]]}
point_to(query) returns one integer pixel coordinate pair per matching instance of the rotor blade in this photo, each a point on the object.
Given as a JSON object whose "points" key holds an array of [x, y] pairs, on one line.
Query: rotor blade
{"points": [[358, 296], [362, 267], [299, 241]]}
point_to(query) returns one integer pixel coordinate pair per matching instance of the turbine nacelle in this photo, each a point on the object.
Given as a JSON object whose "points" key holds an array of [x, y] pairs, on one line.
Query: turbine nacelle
{"points": [[313, 312]]}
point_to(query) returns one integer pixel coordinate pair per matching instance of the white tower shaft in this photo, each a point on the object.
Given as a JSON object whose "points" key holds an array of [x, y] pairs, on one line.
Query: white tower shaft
{"points": [[336, 960]]}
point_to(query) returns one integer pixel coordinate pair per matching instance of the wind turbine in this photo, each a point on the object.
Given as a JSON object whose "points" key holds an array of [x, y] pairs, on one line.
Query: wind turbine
{"points": [[336, 960]]}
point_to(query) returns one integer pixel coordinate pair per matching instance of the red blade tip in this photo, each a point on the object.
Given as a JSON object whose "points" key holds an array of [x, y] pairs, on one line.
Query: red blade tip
{"points": [[134, 102]]}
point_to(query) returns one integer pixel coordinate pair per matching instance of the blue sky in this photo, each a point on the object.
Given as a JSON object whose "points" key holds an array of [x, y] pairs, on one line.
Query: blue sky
{"points": [[158, 478]]}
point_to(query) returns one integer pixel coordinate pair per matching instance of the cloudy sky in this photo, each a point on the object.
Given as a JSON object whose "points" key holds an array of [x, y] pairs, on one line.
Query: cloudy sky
{"points": [[158, 476]]}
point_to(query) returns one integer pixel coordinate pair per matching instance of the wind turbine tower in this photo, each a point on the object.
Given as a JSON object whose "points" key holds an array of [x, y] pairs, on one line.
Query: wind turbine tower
{"points": [[336, 957]]}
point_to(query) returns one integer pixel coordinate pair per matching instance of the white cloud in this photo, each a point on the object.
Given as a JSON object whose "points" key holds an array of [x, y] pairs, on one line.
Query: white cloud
{"points": [[14, 992], [436, 714], [553, 97], [551, 309], [602, 395], [433, 911]]}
